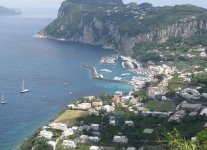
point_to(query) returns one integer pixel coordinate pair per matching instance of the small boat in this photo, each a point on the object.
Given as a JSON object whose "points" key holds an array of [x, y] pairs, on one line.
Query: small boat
{"points": [[125, 74], [23, 90], [3, 100], [70, 93], [66, 83], [106, 70], [101, 76]]}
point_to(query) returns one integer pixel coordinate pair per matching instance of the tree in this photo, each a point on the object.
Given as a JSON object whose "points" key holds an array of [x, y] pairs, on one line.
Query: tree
{"points": [[177, 142]]}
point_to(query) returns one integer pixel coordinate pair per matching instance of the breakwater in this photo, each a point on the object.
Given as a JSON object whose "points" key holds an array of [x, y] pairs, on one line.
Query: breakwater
{"points": [[96, 76]]}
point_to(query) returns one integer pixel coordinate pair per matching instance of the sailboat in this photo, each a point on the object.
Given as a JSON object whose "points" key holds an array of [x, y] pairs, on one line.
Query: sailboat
{"points": [[23, 90], [3, 100]]}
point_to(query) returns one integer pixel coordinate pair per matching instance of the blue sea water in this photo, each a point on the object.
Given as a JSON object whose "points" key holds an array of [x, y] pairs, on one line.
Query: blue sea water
{"points": [[45, 65]]}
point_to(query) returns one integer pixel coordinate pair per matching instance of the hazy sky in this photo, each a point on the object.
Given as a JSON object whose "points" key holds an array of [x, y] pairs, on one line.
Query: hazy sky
{"points": [[51, 6]]}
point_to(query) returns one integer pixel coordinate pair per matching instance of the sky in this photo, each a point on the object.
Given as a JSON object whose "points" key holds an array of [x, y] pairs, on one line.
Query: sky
{"points": [[51, 6]]}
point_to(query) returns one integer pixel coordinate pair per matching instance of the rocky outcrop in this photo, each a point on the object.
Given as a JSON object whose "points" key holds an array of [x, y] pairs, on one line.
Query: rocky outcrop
{"points": [[90, 28]]}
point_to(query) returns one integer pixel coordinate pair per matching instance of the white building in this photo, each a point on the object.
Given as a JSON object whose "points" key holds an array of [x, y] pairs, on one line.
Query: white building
{"points": [[129, 123], [93, 112], [95, 127], [94, 138], [204, 112], [112, 122], [97, 104], [204, 95], [90, 97], [148, 131], [108, 108], [69, 144], [131, 148], [203, 54], [119, 93], [68, 132], [120, 139], [94, 148], [46, 134], [53, 144], [84, 106], [58, 126]]}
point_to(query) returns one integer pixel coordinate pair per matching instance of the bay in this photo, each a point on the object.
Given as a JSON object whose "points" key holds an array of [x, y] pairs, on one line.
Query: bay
{"points": [[45, 65]]}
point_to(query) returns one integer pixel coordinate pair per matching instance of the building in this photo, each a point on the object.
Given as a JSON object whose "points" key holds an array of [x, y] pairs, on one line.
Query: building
{"points": [[94, 148], [116, 100], [112, 122], [120, 139], [46, 134], [129, 123], [84, 138], [97, 104], [177, 116], [84, 106], [204, 112], [148, 131], [95, 127], [94, 138], [190, 107], [190, 94], [69, 144], [119, 93], [53, 144], [204, 95], [58, 126], [108, 108], [192, 114], [131, 148], [93, 112], [90, 97], [156, 113], [67, 132]]}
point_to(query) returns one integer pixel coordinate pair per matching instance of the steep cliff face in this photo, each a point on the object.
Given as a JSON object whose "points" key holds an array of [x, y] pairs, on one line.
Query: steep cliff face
{"points": [[115, 25]]}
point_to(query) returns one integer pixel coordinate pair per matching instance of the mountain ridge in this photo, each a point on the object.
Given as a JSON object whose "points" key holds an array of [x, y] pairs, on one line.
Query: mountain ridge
{"points": [[123, 26]]}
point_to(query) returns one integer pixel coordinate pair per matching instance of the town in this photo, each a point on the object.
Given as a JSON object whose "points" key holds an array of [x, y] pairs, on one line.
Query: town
{"points": [[122, 120]]}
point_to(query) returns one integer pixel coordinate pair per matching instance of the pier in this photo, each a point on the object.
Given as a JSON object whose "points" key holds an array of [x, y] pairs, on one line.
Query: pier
{"points": [[96, 76]]}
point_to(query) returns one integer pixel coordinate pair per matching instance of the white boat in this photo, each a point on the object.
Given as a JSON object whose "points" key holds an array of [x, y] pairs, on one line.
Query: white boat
{"points": [[70, 93], [3, 100], [66, 83], [101, 76], [106, 70], [23, 90], [117, 78], [125, 74]]}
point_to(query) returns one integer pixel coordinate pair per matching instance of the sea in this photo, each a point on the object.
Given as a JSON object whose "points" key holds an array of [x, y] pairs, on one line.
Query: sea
{"points": [[45, 65]]}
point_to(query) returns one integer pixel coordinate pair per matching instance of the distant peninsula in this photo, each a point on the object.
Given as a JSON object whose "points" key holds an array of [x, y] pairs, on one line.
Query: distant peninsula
{"points": [[9, 12]]}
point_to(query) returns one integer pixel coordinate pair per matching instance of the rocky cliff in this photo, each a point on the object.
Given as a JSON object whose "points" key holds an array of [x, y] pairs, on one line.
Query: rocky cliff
{"points": [[110, 23]]}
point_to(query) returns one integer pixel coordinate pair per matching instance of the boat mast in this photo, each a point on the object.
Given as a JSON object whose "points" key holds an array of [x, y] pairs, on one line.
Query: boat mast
{"points": [[23, 85], [2, 98]]}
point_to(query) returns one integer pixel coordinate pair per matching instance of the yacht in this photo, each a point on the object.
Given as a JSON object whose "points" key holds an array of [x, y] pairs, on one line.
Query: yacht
{"points": [[3, 100], [23, 90]]}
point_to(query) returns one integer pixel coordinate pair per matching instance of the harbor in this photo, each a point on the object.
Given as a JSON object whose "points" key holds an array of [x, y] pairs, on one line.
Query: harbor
{"points": [[95, 75], [132, 72]]}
